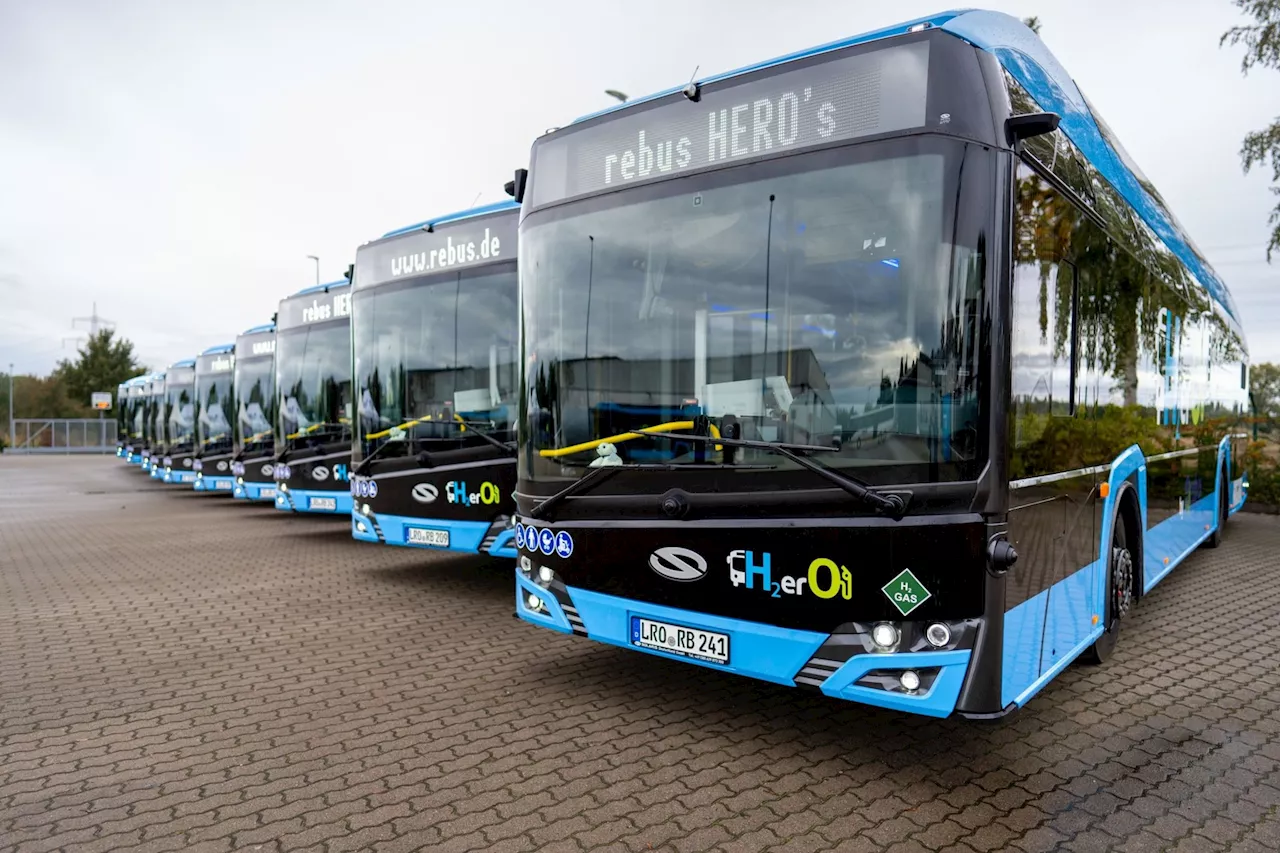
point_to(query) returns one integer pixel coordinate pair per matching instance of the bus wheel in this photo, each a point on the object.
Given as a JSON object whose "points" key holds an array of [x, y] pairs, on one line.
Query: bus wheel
{"points": [[1119, 596], [1224, 506]]}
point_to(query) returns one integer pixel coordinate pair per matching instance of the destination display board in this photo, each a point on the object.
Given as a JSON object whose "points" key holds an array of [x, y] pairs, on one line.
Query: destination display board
{"points": [[850, 96], [450, 247], [256, 345], [176, 376], [221, 362], [307, 309]]}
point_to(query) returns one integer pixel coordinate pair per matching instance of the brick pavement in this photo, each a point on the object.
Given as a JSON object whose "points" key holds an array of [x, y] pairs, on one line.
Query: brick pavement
{"points": [[272, 685]]}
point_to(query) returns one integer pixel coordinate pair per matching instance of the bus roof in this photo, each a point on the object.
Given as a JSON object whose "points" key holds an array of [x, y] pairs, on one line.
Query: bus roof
{"points": [[219, 348], [265, 327], [186, 362], [1021, 52], [317, 288], [496, 207]]}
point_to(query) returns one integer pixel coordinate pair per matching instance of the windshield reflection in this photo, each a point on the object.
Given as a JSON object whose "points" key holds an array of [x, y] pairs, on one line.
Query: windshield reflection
{"points": [[813, 301], [314, 364], [255, 403], [435, 351]]}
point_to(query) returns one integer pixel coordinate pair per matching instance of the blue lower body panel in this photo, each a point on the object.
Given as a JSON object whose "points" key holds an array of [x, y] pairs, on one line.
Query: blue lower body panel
{"points": [[226, 485], [756, 650], [468, 537], [309, 500], [255, 492], [180, 477]]}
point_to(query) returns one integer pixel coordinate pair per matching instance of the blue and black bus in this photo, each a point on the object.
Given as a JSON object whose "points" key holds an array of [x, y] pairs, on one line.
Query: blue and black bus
{"points": [[936, 387], [129, 416], [175, 425], [313, 400], [152, 401], [433, 321], [253, 463], [215, 375]]}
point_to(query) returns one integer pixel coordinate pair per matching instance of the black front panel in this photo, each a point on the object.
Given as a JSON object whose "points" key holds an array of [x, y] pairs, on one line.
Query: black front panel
{"points": [[805, 575], [257, 468], [455, 493], [326, 471]]}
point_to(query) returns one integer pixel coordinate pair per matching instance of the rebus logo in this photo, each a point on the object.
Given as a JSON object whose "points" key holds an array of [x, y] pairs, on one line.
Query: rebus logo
{"points": [[264, 348]]}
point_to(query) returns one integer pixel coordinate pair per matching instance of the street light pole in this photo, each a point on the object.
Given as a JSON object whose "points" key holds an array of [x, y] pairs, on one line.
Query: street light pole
{"points": [[317, 260], [11, 404]]}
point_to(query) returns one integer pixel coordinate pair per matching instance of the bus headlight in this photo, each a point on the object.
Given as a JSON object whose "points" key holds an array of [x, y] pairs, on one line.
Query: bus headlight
{"points": [[885, 636], [545, 574], [938, 635]]}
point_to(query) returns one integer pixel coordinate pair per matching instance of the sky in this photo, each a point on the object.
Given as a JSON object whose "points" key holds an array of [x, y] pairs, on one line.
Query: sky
{"points": [[176, 163]]}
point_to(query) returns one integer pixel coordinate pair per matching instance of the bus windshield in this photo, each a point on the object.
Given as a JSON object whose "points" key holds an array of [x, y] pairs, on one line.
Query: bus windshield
{"points": [[179, 417], [433, 351], [255, 402], [833, 298], [314, 370], [213, 399]]}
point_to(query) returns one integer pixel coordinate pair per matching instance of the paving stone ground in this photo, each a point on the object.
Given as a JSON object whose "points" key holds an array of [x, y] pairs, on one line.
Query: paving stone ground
{"points": [[180, 671]]}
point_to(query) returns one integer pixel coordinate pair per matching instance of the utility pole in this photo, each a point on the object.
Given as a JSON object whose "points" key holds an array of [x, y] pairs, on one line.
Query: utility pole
{"points": [[11, 404], [95, 322]]}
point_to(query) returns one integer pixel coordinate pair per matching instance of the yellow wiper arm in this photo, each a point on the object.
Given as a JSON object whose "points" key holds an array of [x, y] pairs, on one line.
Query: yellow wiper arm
{"points": [[625, 436]]}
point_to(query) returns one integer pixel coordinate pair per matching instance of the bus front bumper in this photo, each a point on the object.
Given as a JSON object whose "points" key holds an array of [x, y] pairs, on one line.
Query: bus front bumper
{"points": [[769, 653]]}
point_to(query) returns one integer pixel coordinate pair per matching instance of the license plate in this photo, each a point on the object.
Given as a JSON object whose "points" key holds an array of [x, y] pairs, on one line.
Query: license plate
{"points": [[427, 536], [223, 484], [322, 503], [267, 493], [679, 640]]}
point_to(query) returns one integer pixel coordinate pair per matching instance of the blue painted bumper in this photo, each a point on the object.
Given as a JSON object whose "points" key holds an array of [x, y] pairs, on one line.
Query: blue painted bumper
{"points": [[464, 536], [757, 650], [180, 477], [300, 500], [255, 492]]}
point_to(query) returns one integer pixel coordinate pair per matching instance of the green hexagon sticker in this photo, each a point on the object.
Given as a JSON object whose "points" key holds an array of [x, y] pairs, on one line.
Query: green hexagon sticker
{"points": [[906, 592]]}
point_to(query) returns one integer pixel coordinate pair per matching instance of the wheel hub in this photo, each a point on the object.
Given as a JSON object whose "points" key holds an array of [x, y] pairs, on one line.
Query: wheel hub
{"points": [[1121, 582]]}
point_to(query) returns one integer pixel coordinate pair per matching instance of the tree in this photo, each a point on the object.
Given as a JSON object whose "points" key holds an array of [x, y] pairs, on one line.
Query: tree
{"points": [[101, 364], [1033, 24], [1264, 385], [1262, 47]]}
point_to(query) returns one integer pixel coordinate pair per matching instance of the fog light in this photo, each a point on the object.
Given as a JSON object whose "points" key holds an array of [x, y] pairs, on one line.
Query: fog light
{"points": [[534, 602], [239, 481], [910, 680], [360, 526], [938, 635], [885, 636], [284, 487], [546, 574], [526, 565]]}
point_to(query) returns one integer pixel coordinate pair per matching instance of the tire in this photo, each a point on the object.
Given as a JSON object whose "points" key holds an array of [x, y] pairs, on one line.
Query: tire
{"points": [[1224, 507], [1119, 591]]}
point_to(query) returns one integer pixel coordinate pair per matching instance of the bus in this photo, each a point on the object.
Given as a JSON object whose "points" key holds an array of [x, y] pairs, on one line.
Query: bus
{"points": [[215, 372], [313, 400], [253, 463], [129, 416], [151, 398], [936, 387], [175, 425], [433, 321]]}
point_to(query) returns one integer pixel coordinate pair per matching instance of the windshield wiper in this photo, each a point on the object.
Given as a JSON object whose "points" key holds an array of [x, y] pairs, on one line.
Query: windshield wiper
{"points": [[889, 504], [368, 460], [508, 447]]}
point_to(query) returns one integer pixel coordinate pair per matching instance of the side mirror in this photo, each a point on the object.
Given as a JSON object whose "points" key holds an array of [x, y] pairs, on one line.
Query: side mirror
{"points": [[1018, 128], [515, 187]]}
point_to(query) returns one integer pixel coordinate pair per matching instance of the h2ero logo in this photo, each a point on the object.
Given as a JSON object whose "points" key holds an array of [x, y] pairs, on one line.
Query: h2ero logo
{"points": [[825, 578]]}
